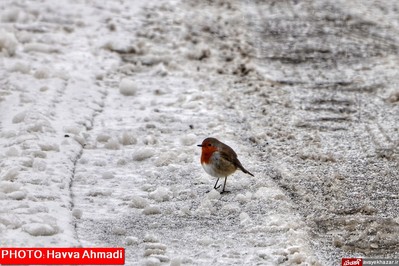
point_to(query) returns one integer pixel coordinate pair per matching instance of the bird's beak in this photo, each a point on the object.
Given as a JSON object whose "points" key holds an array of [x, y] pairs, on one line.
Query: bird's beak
{"points": [[199, 145]]}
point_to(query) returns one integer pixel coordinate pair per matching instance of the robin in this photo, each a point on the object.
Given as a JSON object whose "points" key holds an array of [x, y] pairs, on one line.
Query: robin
{"points": [[219, 160]]}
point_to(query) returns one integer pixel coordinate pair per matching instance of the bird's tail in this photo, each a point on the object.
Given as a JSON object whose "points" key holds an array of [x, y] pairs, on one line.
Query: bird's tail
{"points": [[245, 170], [238, 164]]}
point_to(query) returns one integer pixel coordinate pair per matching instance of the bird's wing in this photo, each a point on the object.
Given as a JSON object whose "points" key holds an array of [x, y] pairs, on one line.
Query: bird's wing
{"points": [[232, 158]]}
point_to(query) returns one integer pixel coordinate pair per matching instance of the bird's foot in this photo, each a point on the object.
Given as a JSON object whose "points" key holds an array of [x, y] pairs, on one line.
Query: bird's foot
{"points": [[225, 192], [217, 187]]}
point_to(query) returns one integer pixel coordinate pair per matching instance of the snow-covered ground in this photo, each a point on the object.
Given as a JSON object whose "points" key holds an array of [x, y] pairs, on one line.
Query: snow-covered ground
{"points": [[101, 110], [102, 104]]}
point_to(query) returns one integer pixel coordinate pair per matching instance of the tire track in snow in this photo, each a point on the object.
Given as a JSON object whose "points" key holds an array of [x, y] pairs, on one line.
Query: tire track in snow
{"points": [[328, 160], [76, 212], [150, 194], [384, 145]]}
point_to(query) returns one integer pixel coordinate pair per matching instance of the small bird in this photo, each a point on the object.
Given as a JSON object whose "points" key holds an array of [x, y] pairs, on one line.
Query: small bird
{"points": [[219, 160]]}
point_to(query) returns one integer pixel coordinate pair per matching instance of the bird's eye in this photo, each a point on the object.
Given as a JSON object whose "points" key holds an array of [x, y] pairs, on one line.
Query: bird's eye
{"points": [[209, 145]]}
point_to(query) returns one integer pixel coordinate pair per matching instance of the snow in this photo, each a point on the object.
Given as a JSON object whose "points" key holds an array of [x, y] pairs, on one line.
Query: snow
{"points": [[112, 144], [143, 154], [175, 262], [127, 138], [18, 118], [40, 47], [131, 240], [8, 187], [161, 194], [77, 213], [8, 43], [101, 112], [127, 87], [151, 210], [138, 202], [17, 195], [189, 139], [39, 229], [21, 67]]}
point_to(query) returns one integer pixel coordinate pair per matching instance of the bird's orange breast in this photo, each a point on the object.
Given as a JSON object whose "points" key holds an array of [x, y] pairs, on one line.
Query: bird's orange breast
{"points": [[207, 153]]}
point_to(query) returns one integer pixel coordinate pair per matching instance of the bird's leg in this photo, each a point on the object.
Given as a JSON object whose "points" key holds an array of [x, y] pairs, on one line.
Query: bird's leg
{"points": [[224, 185], [215, 186]]}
